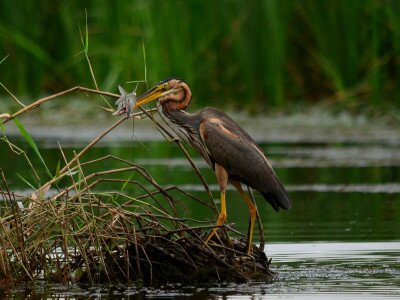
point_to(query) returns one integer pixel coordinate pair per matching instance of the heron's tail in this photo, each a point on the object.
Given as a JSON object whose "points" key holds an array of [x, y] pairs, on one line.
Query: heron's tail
{"points": [[279, 198]]}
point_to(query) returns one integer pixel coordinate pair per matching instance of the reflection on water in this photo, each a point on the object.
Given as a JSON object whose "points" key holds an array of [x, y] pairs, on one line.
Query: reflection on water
{"points": [[304, 270], [341, 238], [367, 267]]}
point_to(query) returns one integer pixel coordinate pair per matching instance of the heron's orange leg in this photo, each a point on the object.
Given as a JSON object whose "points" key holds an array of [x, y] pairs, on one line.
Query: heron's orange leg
{"points": [[222, 178], [252, 212]]}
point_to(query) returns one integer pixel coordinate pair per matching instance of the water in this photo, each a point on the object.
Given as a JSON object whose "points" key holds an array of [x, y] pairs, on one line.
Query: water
{"points": [[341, 239], [333, 268]]}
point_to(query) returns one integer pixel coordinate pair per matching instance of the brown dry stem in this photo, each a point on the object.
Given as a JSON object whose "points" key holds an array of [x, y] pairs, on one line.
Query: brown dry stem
{"points": [[114, 225]]}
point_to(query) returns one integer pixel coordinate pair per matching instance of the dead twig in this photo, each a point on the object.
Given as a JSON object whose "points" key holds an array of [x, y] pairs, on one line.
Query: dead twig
{"points": [[91, 234]]}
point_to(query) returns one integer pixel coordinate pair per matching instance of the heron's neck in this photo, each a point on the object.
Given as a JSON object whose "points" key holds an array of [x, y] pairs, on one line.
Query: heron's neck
{"points": [[187, 126], [181, 118]]}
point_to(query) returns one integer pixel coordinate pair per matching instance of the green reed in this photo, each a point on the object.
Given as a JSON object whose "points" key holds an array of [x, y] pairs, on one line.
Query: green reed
{"points": [[233, 53]]}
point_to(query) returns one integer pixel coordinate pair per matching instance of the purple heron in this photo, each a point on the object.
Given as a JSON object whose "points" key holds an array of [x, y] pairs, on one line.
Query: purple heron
{"points": [[228, 149]]}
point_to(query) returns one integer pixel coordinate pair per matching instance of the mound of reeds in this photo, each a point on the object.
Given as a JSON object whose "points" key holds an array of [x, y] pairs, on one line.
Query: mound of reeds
{"points": [[85, 233]]}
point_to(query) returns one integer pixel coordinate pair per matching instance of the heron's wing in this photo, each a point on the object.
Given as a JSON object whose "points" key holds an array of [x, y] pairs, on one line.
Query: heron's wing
{"points": [[232, 148]]}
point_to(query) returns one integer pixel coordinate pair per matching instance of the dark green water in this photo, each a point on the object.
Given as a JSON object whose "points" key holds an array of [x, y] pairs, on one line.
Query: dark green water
{"points": [[341, 238]]}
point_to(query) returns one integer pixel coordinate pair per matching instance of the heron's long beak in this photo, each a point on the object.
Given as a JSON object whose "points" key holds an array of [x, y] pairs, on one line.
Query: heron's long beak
{"points": [[152, 94]]}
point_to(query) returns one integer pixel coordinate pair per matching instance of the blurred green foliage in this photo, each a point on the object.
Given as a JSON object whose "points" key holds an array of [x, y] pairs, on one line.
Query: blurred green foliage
{"points": [[237, 53]]}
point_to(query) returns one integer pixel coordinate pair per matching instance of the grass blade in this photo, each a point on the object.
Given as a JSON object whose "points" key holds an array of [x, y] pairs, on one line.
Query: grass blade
{"points": [[86, 34], [31, 143], [4, 58], [144, 62], [26, 181], [2, 128]]}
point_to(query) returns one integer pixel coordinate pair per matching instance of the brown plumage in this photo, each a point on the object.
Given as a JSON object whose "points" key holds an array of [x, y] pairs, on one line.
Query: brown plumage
{"points": [[228, 149]]}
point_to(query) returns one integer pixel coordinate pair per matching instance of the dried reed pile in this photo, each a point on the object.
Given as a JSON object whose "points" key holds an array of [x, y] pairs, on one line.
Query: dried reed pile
{"points": [[82, 233]]}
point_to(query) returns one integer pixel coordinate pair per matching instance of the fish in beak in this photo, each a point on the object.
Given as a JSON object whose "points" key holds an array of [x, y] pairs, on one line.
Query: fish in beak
{"points": [[129, 101], [125, 103]]}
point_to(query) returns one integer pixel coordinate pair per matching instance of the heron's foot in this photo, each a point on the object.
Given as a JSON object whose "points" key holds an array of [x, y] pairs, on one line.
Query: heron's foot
{"points": [[210, 235], [220, 221]]}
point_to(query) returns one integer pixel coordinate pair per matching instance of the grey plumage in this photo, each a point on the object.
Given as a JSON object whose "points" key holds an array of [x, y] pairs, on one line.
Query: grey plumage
{"points": [[224, 142]]}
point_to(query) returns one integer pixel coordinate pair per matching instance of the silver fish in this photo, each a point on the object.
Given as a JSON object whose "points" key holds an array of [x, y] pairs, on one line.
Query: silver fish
{"points": [[125, 103]]}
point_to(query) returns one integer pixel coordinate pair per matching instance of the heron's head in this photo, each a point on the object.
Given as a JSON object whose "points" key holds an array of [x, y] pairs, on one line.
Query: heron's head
{"points": [[171, 91]]}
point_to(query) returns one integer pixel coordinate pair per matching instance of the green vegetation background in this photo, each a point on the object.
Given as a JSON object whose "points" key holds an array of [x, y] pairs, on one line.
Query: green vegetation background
{"points": [[235, 53]]}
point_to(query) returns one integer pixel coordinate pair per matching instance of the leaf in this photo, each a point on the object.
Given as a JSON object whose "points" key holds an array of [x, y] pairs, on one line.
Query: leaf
{"points": [[85, 43], [144, 61], [31, 143], [12, 95], [2, 127], [26, 181], [29, 44], [57, 174], [4, 58], [123, 186], [87, 35], [126, 183]]}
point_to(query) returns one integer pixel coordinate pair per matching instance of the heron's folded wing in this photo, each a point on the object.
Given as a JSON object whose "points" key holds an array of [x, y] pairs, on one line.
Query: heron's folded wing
{"points": [[242, 158]]}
